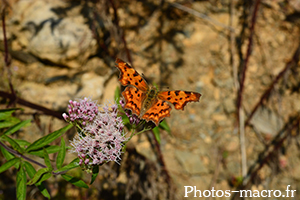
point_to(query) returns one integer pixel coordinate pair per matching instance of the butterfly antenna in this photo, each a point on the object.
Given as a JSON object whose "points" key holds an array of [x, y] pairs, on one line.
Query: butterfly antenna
{"points": [[163, 88]]}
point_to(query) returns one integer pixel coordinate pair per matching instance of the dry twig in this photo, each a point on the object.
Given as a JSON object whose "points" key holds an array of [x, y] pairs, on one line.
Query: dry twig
{"points": [[241, 89], [265, 156], [200, 15]]}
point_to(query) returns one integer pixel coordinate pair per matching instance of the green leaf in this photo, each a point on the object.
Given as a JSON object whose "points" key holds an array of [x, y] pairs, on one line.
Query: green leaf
{"points": [[95, 173], [50, 149], [47, 159], [16, 127], [38, 175], [117, 94], [9, 164], [31, 171], [13, 143], [163, 125], [8, 122], [5, 113], [156, 134], [75, 181], [22, 143], [71, 165], [21, 183], [126, 121], [61, 154], [48, 138], [44, 177], [6, 154], [43, 190]]}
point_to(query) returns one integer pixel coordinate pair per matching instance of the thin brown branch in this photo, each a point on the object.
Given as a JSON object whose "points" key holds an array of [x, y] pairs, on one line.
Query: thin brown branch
{"points": [[289, 65], [28, 104], [232, 48], [248, 54], [241, 88], [160, 157], [17, 154], [7, 59], [269, 151], [116, 17]]}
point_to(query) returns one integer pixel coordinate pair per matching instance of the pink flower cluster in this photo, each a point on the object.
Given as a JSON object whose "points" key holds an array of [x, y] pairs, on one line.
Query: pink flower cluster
{"points": [[102, 136], [81, 112]]}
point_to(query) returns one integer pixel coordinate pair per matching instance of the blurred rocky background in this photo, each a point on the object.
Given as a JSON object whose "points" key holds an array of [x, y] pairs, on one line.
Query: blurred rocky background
{"points": [[241, 55]]}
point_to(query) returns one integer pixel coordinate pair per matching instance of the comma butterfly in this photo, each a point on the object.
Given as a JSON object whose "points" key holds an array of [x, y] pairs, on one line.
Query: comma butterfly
{"points": [[146, 101]]}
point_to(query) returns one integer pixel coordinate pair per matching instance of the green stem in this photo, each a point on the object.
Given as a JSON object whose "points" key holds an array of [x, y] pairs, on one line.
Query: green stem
{"points": [[144, 130], [133, 134], [77, 125]]}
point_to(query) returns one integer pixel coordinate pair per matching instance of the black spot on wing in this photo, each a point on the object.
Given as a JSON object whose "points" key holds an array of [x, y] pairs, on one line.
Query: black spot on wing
{"points": [[135, 74], [133, 106], [169, 92], [177, 92], [169, 98]]}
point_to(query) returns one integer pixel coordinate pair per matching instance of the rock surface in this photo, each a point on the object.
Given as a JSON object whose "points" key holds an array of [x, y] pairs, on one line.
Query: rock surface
{"points": [[176, 50], [42, 28]]}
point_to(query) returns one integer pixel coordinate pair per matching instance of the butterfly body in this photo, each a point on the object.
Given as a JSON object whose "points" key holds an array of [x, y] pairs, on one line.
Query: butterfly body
{"points": [[146, 101], [149, 100]]}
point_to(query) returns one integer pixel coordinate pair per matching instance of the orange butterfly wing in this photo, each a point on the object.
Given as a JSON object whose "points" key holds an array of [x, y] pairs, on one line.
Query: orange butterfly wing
{"points": [[129, 76], [179, 98], [157, 112], [133, 99]]}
